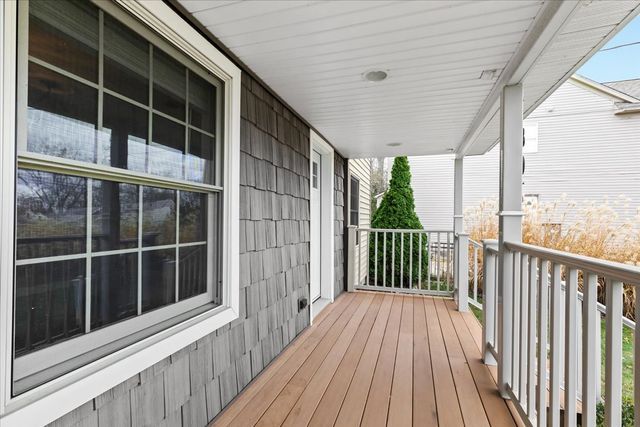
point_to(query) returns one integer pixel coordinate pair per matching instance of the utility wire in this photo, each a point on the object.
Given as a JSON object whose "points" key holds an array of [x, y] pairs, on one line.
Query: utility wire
{"points": [[619, 46]]}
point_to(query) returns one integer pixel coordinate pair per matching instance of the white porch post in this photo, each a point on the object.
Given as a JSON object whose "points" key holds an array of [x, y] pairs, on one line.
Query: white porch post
{"points": [[461, 240], [510, 221]]}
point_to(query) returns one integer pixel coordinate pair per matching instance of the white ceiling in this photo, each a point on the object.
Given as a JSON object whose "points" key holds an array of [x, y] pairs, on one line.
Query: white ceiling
{"points": [[313, 54]]}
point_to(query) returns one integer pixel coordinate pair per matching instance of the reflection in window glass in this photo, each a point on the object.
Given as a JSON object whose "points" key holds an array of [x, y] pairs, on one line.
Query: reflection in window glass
{"points": [[158, 278], [61, 115], [167, 149], [114, 220], [114, 288], [50, 214], [193, 271], [126, 61], [202, 101], [200, 162], [49, 303], [122, 141], [193, 217], [65, 34], [158, 216], [169, 85]]}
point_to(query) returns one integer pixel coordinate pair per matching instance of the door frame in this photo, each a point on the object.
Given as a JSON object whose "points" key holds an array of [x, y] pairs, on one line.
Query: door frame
{"points": [[327, 225]]}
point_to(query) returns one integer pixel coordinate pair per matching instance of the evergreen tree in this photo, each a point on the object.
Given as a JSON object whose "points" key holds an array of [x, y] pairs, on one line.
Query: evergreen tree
{"points": [[397, 211]]}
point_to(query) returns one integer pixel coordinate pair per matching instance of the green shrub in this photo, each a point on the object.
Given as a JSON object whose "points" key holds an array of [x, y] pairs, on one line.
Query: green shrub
{"points": [[397, 211], [627, 413]]}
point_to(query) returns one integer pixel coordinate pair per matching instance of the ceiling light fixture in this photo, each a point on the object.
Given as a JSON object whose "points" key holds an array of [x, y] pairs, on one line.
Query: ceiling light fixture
{"points": [[375, 76], [394, 144]]}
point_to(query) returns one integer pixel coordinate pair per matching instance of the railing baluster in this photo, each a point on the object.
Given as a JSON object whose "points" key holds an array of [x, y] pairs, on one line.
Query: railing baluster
{"points": [[531, 347], [359, 270], [430, 258], [366, 252], [420, 260], [613, 374], [401, 260], [556, 325], [411, 260], [448, 252], [570, 356], [375, 260], [438, 257], [393, 259], [475, 273], [543, 310], [590, 344], [384, 260], [636, 364]]}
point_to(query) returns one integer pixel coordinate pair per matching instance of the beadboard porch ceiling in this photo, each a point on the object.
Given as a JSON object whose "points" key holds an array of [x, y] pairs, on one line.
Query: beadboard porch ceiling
{"points": [[314, 53]]}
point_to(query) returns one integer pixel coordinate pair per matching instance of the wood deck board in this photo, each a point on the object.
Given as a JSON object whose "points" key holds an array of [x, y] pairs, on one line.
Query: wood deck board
{"points": [[374, 359]]}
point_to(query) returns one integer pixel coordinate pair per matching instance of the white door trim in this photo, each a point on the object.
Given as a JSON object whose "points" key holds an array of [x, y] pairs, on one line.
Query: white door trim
{"points": [[327, 235]]}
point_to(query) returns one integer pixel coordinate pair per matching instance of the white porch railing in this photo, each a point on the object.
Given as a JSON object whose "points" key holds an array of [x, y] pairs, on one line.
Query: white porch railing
{"points": [[397, 260], [546, 307]]}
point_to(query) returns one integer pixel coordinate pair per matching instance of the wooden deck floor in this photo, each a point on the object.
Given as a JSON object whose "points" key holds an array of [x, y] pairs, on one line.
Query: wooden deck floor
{"points": [[373, 360]]}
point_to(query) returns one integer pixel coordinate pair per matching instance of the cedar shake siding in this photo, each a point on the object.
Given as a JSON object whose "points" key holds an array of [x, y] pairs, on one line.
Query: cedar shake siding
{"points": [[340, 171], [193, 385]]}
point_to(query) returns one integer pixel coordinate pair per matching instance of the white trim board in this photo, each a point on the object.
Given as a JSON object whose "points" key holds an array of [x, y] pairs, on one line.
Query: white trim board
{"points": [[50, 401], [327, 243]]}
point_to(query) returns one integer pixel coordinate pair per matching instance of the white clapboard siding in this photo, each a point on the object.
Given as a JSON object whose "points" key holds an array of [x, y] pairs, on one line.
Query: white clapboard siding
{"points": [[585, 151], [361, 169]]}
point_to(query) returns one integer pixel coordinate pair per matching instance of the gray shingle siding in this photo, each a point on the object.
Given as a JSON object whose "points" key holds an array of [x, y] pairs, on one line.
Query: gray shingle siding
{"points": [[192, 386]]}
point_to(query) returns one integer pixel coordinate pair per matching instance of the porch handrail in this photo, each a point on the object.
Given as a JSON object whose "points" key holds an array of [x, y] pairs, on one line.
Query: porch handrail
{"points": [[614, 270], [542, 340]]}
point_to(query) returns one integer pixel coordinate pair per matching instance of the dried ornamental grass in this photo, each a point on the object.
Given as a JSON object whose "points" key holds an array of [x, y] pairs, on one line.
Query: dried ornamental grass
{"points": [[590, 229]]}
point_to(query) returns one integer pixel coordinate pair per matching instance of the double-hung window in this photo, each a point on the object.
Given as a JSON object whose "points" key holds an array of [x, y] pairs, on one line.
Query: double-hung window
{"points": [[354, 204], [119, 187]]}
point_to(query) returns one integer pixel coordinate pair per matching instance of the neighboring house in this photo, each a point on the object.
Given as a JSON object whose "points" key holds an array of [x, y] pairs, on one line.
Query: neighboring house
{"points": [[359, 196], [583, 142]]}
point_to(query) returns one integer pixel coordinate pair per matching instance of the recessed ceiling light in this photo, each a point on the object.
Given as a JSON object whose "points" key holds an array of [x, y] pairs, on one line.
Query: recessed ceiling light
{"points": [[394, 144], [375, 75], [488, 74]]}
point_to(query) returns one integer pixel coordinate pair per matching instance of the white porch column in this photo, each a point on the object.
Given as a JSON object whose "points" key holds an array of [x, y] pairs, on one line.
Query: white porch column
{"points": [[510, 221], [458, 175], [461, 240]]}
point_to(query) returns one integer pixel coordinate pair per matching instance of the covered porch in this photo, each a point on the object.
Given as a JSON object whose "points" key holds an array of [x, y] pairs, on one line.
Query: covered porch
{"points": [[378, 359]]}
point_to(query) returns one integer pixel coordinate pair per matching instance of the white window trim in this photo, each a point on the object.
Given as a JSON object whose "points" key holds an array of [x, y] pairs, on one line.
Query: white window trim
{"points": [[48, 402]]}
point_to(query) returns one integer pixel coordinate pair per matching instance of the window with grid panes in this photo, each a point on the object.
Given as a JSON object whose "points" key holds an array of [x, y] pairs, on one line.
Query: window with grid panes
{"points": [[118, 188], [354, 204]]}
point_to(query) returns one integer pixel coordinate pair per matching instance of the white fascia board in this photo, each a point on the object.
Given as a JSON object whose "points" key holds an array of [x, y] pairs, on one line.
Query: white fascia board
{"points": [[552, 18]]}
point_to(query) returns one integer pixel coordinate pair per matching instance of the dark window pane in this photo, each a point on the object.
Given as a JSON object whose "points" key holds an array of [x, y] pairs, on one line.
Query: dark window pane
{"points": [[158, 278], [114, 288], [193, 271], [158, 216], [167, 149], [126, 61], [169, 85], [202, 103], [200, 165], [123, 139], [114, 216], [51, 212], [65, 34], [61, 116], [50, 300], [193, 217]]}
